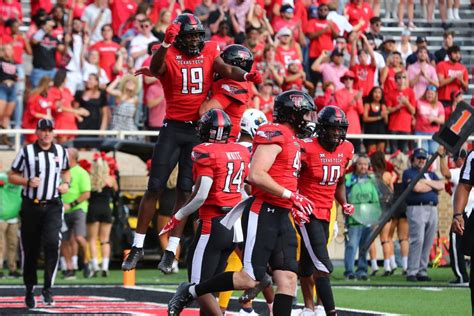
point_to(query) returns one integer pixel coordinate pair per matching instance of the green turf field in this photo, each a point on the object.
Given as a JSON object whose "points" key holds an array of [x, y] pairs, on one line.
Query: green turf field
{"points": [[383, 294]]}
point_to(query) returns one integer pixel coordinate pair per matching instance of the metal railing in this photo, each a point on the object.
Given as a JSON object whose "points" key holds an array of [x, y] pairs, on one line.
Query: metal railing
{"points": [[123, 134]]}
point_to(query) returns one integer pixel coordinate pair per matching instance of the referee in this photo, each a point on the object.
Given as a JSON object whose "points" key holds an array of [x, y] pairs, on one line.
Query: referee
{"points": [[463, 225], [42, 168]]}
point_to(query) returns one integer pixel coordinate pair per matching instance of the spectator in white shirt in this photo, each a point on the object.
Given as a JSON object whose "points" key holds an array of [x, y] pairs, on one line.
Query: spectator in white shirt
{"points": [[139, 44], [95, 16]]}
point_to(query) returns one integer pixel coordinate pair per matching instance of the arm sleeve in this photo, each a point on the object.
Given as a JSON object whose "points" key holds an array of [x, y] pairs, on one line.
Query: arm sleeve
{"points": [[198, 199], [467, 171]]}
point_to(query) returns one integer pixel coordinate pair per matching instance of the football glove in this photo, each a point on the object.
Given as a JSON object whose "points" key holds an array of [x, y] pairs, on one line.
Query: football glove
{"points": [[301, 203], [172, 223], [171, 32], [348, 209]]}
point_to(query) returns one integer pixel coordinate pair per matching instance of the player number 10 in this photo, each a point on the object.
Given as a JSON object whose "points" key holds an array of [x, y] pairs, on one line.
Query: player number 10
{"points": [[192, 80], [330, 174]]}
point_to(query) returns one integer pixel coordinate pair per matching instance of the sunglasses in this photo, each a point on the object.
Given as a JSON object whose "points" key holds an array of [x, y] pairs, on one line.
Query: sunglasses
{"points": [[432, 88], [145, 25], [403, 77], [421, 158]]}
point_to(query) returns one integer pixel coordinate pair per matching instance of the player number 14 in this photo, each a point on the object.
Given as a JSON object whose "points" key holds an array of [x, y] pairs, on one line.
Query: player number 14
{"points": [[233, 179]]}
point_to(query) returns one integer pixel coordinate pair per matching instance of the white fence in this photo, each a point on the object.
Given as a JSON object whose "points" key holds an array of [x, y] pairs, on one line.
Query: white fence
{"points": [[123, 134]]}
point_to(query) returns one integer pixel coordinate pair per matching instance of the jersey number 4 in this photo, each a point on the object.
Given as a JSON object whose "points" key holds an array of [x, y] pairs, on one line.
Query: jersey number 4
{"points": [[234, 178], [331, 175], [192, 80]]}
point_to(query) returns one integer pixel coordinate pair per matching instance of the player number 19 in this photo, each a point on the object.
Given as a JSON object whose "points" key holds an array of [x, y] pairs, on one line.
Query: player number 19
{"points": [[192, 80]]}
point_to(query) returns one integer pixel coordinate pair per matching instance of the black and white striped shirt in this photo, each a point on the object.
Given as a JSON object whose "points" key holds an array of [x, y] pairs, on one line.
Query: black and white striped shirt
{"points": [[33, 161], [467, 170]]}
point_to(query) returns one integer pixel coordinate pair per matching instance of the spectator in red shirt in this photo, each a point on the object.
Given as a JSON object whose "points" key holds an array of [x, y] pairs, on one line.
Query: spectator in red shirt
{"points": [[9, 9], [350, 101], [328, 98], [20, 45], [221, 37], [287, 49], [295, 78], [256, 43], [107, 50], [38, 107], [37, 5], [287, 19], [394, 66], [401, 105], [272, 69], [263, 101], [121, 11], [365, 69], [359, 14], [429, 117], [453, 76], [321, 33]]}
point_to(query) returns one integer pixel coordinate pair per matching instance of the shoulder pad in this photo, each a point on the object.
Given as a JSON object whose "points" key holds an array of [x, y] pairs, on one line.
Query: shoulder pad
{"points": [[269, 134]]}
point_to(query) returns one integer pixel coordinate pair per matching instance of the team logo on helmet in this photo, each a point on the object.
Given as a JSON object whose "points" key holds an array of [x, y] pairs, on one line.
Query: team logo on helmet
{"points": [[297, 100], [243, 54]]}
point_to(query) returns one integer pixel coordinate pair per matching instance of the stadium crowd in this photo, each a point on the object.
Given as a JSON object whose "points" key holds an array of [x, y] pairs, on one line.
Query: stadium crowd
{"points": [[94, 68]]}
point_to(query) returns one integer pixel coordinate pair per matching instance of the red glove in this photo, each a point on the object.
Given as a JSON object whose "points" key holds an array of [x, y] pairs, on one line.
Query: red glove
{"points": [[172, 223], [301, 203], [348, 209], [299, 217], [253, 76], [171, 32]]}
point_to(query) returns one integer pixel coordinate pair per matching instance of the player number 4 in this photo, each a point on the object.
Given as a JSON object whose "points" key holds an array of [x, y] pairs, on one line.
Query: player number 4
{"points": [[192, 80], [233, 179]]}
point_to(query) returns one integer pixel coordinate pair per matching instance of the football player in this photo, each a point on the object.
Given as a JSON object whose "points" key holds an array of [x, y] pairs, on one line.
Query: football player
{"points": [[269, 236], [230, 95], [219, 170], [185, 65], [324, 162]]}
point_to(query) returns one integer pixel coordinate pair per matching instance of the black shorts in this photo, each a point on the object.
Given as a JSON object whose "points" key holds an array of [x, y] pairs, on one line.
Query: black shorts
{"points": [[99, 212], [314, 251], [401, 211], [270, 239], [175, 144], [167, 200], [209, 252]]}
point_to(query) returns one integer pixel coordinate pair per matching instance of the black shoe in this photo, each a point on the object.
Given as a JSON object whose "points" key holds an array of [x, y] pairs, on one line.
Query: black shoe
{"points": [[69, 275], [135, 255], [387, 273], [362, 277], [374, 272], [166, 263], [14, 274], [393, 271], [47, 297], [2, 275], [459, 282], [105, 273], [350, 277], [30, 301], [87, 271], [412, 278], [180, 299], [423, 278], [250, 294]]}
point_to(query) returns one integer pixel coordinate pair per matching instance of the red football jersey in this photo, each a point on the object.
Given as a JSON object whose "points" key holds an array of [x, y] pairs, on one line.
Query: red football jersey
{"points": [[234, 98], [285, 56], [320, 173], [227, 164], [285, 170], [187, 81]]}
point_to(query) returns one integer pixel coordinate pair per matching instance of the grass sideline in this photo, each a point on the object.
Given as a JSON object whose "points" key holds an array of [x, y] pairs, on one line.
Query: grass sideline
{"points": [[384, 294]]}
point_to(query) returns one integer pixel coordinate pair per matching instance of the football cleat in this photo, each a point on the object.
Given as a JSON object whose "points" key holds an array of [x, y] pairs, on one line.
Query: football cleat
{"points": [[166, 263], [180, 299], [135, 255]]}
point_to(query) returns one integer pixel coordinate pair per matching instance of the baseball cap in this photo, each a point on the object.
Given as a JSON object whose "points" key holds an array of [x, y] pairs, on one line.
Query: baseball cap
{"points": [[421, 39], [348, 74], [420, 153], [388, 39], [337, 52], [45, 124], [284, 31], [287, 9]]}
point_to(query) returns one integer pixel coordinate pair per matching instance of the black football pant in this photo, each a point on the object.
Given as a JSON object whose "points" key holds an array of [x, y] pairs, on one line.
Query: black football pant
{"points": [[40, 226], [456, 258]]}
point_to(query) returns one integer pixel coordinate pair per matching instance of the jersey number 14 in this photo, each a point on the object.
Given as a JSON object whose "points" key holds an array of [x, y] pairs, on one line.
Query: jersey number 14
{"points": [[234, 179]]}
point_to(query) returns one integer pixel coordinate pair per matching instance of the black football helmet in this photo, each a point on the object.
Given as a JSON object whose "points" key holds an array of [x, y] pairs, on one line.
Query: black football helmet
{"points": [[214, 126], [190, 24], [296, 108], [331, 127], [238, 55]]}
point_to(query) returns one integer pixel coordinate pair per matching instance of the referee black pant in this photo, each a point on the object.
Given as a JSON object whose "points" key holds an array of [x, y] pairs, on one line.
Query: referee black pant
{"points": [[40, 225], [456, 258]]}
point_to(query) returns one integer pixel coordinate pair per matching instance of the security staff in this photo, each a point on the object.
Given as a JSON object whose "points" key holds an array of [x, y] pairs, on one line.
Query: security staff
{"points": [[42, 168], [422, 215]]}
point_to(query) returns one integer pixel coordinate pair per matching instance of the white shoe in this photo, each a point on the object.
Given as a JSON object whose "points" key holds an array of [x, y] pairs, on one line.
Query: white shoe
{"points": [[244, 313], [319, 311], [296, 312], [456, 14], [450, 14]]}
